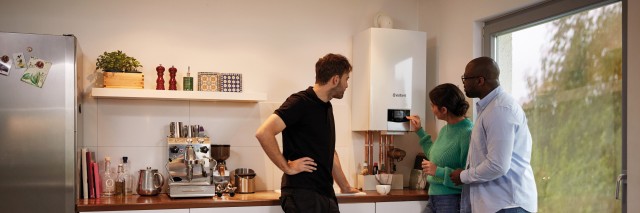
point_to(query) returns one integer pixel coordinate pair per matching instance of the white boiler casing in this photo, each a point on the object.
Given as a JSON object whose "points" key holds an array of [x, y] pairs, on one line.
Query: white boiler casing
{"points": [[388, 79]]}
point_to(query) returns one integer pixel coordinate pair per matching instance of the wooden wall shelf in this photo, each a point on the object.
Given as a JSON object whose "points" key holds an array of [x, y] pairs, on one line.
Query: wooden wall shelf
{"points": [[177, 95]]}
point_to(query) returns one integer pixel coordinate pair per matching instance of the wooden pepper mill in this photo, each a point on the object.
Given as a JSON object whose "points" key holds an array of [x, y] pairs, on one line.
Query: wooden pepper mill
{"points": [[160, 80], [172, 81]]}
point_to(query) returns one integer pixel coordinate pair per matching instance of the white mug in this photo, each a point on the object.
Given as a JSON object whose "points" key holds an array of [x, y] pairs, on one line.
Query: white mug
{"points": [[383, 189]]}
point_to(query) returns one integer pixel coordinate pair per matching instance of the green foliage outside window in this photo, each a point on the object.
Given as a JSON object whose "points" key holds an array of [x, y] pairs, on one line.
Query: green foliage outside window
{"points": [[575, 114]]}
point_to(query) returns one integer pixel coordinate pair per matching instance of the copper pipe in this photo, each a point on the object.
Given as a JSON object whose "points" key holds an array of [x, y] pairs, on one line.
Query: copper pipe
{"points": [[381, 149], [386, 156], [370, 150], [391, 147], [366, 151]]}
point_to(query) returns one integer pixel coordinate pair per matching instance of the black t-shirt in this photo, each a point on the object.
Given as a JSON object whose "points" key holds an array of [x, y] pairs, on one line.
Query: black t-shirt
{"points": [[310, 132]]}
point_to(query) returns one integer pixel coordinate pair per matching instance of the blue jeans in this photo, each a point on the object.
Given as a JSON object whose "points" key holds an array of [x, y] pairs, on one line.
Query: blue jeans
{"points": [[444, 203], [513, 210]]}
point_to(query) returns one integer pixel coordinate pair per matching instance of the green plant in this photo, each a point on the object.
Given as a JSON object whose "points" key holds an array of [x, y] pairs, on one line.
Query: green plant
{"points": [[117, 61]]}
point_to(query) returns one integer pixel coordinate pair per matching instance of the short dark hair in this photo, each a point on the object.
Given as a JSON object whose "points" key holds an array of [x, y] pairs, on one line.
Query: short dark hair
{"points": [[331, 65], [451, 97]]}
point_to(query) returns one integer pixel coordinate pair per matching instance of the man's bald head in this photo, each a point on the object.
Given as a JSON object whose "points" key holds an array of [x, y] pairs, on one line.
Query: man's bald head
{"points": [[487, 68]]}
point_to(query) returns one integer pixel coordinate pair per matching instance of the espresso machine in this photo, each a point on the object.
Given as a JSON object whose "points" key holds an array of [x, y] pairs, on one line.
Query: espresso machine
{"points": [[190, 163]]}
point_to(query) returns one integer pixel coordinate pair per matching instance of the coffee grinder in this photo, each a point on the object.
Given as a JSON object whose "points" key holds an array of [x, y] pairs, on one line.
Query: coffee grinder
{"points": [[220, 174], [190, 162]]}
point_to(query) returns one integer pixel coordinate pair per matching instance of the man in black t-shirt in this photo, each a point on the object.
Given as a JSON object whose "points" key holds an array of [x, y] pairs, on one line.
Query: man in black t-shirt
{"points": [[309, 160]]}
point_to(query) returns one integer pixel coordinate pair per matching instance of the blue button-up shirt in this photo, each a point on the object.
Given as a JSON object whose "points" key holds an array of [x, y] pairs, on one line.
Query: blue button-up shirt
{"points": [[498, 170]]}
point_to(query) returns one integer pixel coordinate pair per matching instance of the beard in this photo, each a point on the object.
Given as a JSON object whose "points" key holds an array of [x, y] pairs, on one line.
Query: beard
{"points": [[470, 93], [338, 93]]}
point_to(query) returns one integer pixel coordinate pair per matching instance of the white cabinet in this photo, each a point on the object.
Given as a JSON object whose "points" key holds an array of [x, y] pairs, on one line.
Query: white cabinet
{"points": [[379, 207], [389, 72], [404, 206], [148, 211], [249, 209], [357, 207]]}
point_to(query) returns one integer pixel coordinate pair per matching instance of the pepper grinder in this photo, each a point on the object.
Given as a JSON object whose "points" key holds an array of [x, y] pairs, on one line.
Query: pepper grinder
{"points": [[172, 81], [160, 80]]}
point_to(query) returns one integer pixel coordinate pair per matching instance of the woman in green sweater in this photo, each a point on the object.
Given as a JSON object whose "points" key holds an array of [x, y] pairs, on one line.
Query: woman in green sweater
{"points": [[449, 151]]}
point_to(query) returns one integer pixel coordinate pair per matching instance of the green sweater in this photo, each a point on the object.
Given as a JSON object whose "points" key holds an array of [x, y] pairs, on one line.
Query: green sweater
{"points": [[449, 152]]}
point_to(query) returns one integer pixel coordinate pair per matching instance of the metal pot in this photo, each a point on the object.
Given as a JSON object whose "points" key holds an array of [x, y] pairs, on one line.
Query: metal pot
{"points": [[150, 182], [244, 179]]}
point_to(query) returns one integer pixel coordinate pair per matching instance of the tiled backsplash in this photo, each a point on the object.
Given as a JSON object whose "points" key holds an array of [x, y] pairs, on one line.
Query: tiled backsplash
{"points": [[138, 129]]}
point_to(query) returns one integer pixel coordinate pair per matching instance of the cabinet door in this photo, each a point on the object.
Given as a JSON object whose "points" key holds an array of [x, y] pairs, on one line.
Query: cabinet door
{"points": [[404, 206], [249, 209], [357, 207], [148, 211]]}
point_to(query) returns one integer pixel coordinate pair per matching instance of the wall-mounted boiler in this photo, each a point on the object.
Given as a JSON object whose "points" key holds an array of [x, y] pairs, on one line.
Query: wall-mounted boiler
{"points": [[388, 79]]}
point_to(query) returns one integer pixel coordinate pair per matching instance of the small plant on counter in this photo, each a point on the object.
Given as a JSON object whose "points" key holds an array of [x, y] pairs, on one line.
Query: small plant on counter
{"points": [[117, 61]]}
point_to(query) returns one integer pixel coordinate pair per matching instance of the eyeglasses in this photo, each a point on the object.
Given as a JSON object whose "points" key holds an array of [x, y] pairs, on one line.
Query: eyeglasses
{"points": [[470, 77]]}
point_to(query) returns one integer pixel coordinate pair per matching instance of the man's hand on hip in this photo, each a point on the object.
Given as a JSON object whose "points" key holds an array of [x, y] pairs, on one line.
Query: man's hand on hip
{"points": [[305, 164]]}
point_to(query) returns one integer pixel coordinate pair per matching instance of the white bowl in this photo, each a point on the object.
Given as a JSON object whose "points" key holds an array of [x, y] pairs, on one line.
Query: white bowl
{"points": [[383, 189]]}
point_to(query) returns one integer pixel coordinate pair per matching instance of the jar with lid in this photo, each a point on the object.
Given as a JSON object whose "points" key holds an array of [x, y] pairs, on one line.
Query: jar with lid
{"points": [[121, 181]]}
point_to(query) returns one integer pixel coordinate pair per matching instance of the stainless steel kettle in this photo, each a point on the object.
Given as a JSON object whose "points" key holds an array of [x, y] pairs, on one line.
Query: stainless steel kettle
{"points": [[150, 182]]}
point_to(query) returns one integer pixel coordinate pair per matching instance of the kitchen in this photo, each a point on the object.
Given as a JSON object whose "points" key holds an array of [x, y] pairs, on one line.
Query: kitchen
{"points": [[270, 44]]}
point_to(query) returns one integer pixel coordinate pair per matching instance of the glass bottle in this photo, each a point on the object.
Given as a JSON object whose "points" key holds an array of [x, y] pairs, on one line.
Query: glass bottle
{"points": [[187, 82], [375, 168], [121, 181], [128, 187], [365, 168], [108, 179]]}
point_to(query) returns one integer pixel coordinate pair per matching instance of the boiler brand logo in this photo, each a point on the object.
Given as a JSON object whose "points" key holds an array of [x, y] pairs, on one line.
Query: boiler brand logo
{"points": [[400, 95]]}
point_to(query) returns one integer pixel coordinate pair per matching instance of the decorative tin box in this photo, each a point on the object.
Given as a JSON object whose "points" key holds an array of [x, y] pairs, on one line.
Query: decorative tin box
{"points": [[230, 82], [208, 81]]}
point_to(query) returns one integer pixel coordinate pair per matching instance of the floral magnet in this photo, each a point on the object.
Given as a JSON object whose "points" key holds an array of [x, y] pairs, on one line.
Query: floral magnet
{"points": [[18, 60], [36, 73]]}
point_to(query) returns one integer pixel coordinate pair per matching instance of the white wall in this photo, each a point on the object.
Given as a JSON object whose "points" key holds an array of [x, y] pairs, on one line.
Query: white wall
{"points": [[455, 36], [274, 44]]}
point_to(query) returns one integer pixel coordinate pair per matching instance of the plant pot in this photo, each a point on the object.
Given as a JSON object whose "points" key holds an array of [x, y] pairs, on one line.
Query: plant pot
{"points": [[123, 80]]}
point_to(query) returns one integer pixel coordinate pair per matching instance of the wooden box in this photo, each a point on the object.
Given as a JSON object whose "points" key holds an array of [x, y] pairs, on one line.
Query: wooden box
{"points": [[123, 80]]}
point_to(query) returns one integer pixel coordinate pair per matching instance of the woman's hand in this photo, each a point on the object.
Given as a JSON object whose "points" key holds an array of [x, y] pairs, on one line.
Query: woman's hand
{"points": [[415, 122], [429, 167]]}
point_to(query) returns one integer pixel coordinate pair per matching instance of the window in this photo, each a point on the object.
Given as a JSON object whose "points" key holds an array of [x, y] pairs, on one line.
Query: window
{"points": [[562, 60]]}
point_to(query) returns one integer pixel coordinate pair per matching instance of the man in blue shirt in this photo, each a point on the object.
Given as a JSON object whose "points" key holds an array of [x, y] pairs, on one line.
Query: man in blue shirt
{"points": [[498, 175]]}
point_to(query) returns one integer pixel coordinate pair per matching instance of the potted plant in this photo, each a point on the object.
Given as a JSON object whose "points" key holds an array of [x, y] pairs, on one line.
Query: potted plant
{"points": [[120, 70], [117, 61]]}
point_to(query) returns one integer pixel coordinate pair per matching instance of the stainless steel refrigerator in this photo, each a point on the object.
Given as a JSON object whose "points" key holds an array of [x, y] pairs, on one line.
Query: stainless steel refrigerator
{"points": [[40, 122]]}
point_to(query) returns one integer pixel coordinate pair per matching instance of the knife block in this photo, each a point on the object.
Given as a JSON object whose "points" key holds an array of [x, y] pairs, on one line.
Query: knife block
{"points": [[369, 182]]}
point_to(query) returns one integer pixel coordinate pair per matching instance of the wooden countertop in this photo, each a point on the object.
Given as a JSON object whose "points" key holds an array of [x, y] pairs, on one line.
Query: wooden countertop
{"points": [[262, 198]]}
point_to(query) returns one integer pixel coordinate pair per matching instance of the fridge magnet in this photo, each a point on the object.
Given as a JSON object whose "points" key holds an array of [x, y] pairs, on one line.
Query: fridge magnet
{"points": [[5, 65], [36, 73], [18, 60]]}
